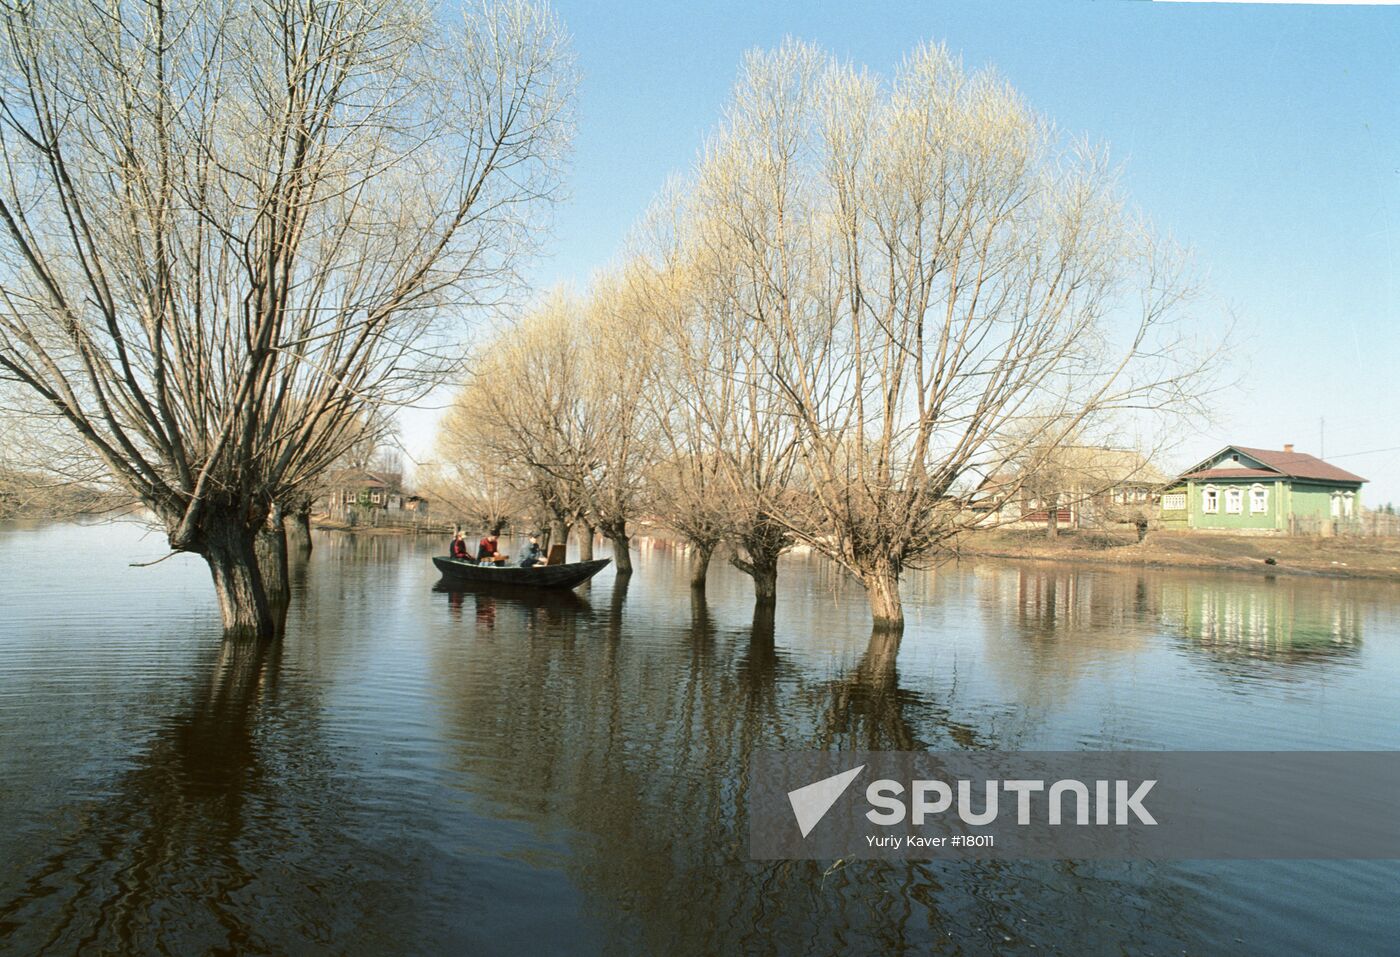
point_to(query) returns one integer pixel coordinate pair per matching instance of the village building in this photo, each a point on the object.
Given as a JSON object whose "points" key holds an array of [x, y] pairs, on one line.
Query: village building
{"points": [[1089, 486], [1243, 489]]}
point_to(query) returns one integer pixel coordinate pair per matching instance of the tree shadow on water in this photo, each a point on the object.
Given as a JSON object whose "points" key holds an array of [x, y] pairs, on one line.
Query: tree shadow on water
{"points": [[203, 842]]}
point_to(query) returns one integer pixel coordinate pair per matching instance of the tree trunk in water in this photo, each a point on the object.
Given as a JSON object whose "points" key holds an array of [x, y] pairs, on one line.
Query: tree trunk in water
{"points": [[228, 547], [882, 591], [700, 565], [271, 549], [764, 625], [1052, 520], [299, 531], [622, 554], [762, 567], [765, 579], [585, 544], [558, 532]]}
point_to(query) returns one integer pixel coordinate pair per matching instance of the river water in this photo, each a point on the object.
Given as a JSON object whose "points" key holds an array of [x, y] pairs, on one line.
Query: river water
{"points": [[419, 771]]}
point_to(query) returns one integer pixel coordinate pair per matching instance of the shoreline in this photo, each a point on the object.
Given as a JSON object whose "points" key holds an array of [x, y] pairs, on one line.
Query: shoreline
{"points": [[428, 529], [1366, 559], [1374, 559]]}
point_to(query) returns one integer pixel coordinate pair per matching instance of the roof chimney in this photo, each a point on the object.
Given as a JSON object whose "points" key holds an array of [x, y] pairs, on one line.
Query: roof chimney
{"points": [[1288, 447]]}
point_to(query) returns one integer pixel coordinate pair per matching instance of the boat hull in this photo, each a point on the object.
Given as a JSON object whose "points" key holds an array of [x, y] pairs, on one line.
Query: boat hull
{"points": [[569, 575]]}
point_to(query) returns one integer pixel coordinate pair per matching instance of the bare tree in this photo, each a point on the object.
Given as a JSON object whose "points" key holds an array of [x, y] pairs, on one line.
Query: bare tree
{"points": [[558, 402], [687, 480], [1085, 477], [469, 486], [226, 228], [522, 413], [621, 376], [916, 269], [727, 429]]}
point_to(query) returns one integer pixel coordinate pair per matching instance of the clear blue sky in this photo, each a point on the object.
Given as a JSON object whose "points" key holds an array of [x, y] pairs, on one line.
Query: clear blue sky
{"points": [[1265, 137]]}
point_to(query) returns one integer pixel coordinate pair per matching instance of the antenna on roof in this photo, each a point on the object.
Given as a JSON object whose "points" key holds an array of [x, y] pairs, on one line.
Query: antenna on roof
{"points": [[1321, 437]]}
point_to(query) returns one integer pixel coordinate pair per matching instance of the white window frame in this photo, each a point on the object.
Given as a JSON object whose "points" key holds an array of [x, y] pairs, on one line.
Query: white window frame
{"points": [[1234, 501], [1336, 504], [1174, 502], [1210, 500], [1258, 500], [1348, 504]]}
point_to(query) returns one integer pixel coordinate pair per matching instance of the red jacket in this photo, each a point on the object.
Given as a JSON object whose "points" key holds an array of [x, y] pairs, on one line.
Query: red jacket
{"points": [[486, 549], [459, 548]]}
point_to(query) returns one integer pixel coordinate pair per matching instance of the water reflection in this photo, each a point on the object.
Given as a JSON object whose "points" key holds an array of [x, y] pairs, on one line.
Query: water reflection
{"points": [[433, 770], [1069, 620], [636, 761], [1276, 620], [172, 827], [523, 609]]}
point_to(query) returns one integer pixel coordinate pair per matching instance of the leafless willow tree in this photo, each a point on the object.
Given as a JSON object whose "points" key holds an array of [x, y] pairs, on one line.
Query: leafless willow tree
{"points": [[908, 272], [226, 226], [522, 413], [622, 376], [557, 405], [685, 476], [468, 491], [732, 446]]}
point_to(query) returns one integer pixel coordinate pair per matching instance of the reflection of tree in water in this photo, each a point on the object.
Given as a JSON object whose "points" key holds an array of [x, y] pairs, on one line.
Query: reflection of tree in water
{"points": [[1049, 627], [632, 748], [867, 710], [1066, 618], [203, 844]]}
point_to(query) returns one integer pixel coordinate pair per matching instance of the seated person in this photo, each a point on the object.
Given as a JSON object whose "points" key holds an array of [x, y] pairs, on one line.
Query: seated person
{"points": [[533, 555], [459, 547], [487, 550]]}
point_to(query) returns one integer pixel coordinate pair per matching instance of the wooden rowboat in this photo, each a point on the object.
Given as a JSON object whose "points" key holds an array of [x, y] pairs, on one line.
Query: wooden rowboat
{"points": [[569, 575]]}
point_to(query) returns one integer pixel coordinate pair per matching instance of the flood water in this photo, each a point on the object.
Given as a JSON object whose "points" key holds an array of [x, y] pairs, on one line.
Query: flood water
{"points": [[419, 771]]}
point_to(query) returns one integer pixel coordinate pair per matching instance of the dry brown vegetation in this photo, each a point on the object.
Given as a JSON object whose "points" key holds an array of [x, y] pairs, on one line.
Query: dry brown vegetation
{"points": [[1341, 557]]}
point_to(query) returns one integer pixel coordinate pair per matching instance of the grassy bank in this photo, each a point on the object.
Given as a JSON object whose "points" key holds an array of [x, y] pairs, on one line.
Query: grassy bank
{"points": [[1373, 558]]}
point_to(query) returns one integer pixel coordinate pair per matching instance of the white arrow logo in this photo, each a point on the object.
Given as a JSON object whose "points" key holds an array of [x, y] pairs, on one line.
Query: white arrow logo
{"points": [[811, 802]]}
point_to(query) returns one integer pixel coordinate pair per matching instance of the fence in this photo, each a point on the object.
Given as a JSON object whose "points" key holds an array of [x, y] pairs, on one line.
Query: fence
{"points": [[1369, 525], [406, 519]]}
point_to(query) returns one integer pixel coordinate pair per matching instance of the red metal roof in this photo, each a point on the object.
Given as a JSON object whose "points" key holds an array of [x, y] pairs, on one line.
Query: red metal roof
{"points": [[1301, 465], [1288, 464]]}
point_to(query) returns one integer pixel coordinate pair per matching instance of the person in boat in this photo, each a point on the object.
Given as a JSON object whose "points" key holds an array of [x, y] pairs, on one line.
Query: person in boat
{"points": [[459, 550], [533, 555], [487, 549]]}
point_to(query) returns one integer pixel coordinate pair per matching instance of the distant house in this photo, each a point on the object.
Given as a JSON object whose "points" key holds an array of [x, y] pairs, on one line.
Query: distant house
{"points": [[417, 504], [358, 488], [1091, 487], [1246, 489]]}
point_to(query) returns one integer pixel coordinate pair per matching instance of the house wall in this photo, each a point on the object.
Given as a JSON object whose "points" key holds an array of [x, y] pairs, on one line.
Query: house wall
{"points": [[1244, 520], [1312, 501], [1194, 515], [1288, 499], [1176, 519]]}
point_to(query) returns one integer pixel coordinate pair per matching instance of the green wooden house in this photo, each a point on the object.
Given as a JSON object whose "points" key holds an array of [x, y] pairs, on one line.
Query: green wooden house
{"points": [[1262, 490]]}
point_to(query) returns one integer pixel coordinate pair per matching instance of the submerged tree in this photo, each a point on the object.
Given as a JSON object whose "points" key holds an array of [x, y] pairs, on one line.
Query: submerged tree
{"points": [[225, 228], [909, 273], [557, 404], [522, 413], [727, 428]]}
